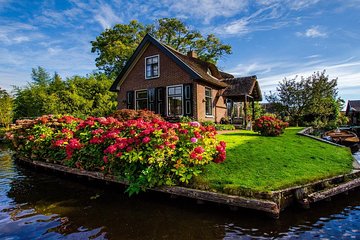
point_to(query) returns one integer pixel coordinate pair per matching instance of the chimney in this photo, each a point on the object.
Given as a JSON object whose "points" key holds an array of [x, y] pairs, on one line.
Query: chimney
{"points": [[192, 54]]}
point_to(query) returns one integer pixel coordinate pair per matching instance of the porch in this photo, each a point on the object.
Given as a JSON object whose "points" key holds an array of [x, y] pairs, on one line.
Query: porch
{"points": [[241, 95]]}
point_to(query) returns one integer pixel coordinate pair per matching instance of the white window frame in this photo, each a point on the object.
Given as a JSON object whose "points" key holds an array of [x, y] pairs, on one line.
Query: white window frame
{"points": [[158, 56], [211, 101], [182, 99], [135, 96]]}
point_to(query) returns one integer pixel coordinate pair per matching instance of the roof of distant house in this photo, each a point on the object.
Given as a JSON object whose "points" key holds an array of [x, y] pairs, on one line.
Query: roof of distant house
{"points": [[353, 106]]}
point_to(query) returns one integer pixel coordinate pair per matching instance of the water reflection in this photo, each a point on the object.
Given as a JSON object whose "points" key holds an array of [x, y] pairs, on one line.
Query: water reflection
{"points": [[34, 204]]}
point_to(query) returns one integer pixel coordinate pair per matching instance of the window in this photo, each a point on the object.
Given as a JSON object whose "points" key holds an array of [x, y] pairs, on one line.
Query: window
{"points": [[141, 99], [152, 67], [175, 100], [208, 102]]}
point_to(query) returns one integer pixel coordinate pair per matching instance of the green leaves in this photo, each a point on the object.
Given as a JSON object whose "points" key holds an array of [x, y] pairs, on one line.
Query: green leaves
{"points": [[115, 46]]}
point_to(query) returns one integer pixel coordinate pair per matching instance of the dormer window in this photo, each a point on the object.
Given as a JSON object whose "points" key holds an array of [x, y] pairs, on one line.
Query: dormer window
{"points": [[152, 69]]}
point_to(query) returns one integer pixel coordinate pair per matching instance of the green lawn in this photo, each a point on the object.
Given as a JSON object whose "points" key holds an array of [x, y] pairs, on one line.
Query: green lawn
{"points": [[262, 164]]}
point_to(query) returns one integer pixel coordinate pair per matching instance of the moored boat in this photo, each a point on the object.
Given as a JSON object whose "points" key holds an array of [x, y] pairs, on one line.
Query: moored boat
{"points": [[343, 137]]}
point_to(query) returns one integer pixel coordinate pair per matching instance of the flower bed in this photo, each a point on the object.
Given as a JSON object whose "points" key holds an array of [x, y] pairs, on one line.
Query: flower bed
{"points": [[145, 154], [269, 126]]}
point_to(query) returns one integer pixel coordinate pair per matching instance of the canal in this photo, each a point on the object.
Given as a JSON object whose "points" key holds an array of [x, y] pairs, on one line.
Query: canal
{"points": [[36, 205]]}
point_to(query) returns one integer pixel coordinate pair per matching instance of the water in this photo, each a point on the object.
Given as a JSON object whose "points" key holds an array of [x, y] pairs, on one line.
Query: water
{"points": [[35, 205]]}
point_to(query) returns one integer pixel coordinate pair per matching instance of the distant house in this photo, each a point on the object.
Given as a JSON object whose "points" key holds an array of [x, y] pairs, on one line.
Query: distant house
{"points": [[163, 80], [353, 112]]}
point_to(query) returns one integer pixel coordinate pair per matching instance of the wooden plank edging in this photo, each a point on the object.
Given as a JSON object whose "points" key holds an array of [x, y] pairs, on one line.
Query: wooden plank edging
{"points": [[257, 204]]}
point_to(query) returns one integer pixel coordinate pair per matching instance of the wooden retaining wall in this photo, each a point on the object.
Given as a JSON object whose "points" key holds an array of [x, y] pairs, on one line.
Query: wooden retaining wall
{"points": [[274, 203]]}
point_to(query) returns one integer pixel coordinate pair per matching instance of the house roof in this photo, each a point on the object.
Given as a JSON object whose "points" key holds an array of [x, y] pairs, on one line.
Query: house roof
{"points": [[242, 86], [353, 106], [196, 68]]}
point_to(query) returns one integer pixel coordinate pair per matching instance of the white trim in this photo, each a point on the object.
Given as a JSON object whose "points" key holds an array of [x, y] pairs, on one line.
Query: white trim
{"points": [[211, 98], [158, 56], [182, 99], [139, 90]]}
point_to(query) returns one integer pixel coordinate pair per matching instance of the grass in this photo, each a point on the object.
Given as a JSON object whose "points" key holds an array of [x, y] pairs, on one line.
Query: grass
{"points": [[262, 164]]}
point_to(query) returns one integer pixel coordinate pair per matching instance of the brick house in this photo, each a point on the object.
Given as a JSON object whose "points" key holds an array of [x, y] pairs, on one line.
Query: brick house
{"points": [[353, 112], [163, 80]]}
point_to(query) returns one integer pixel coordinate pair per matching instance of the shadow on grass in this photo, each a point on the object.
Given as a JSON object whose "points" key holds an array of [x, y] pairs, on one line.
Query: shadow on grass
{"points": [[250, 134]]}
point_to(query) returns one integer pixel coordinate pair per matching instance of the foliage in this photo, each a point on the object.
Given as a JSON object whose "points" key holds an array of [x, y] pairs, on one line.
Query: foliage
{"points": [[269, 126], [115, 46], [40, 76], [208, 123], [144, 154], [79, 96], [6, 108], [128, 114], [312, 99], [260, 164], [185, 119], [221, 127]]}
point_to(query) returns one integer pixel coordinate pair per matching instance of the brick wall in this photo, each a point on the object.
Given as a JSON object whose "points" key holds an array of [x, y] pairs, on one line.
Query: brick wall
{"points": [[219, 107]]}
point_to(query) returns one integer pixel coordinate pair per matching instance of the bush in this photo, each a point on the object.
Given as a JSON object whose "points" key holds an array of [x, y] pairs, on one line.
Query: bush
{"points": [[185, 119], [130, 114], [221, 127], [145, 154], [208, 123], [269, 126]]}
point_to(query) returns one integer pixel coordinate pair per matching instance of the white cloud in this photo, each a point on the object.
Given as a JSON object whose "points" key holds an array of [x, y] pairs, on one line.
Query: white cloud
{"points": [[271, 72], [313, 32], [106, 16], [15, 33]]}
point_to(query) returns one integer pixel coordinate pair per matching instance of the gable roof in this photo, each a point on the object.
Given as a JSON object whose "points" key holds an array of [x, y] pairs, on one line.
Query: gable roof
{"points": [[243, 86], [194, 67], [353, 106]]}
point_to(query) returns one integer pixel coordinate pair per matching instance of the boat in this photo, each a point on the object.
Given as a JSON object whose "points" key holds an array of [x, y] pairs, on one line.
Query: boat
{"points": [[343, 137]]}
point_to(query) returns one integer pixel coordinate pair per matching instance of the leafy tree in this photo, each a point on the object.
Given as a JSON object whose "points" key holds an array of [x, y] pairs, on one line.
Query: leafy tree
{"points": [[115, 46], [80, 96], [312, 99], [291, 99], [6, 107], [40, 76]]}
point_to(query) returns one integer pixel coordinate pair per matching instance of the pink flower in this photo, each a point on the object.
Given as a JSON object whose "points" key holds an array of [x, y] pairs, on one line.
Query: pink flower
{"points": [[146, 140], [110, 149], [194, 124], [193, 140], [199, 150]]}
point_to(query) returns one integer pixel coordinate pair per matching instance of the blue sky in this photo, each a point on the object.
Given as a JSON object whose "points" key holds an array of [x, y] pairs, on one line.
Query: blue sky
{"points": [[272, 39]]}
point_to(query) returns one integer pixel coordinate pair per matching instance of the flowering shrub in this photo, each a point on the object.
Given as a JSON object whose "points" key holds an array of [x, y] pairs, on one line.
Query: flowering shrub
{"points": [[143, 153], [130, 114], [269, 126]]}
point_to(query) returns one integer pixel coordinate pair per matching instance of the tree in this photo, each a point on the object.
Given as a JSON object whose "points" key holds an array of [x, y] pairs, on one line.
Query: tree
{"points": [[291, 99], [312, 100], [80, 96], [40, 76], [6, 107], [115, 46]]}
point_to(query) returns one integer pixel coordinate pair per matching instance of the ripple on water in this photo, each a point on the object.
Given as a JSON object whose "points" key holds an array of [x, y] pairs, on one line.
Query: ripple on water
{"points": [[36, 205]]}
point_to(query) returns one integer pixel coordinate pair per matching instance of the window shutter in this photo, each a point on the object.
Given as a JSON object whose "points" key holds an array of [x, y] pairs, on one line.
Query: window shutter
{"points": [[160, 100], [188, 100], [151, 99], [130, 100]]}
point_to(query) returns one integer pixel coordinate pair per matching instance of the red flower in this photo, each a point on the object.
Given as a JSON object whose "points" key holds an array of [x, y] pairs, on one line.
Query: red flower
{"points": [[199, 150], [146, 140], [105, 159]]}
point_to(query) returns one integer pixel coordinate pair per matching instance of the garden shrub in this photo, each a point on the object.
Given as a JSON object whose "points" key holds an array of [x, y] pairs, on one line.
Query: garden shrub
{"points": [[269, 126], [221, 127], [143, 153], [208, 123], [130, 114]]}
